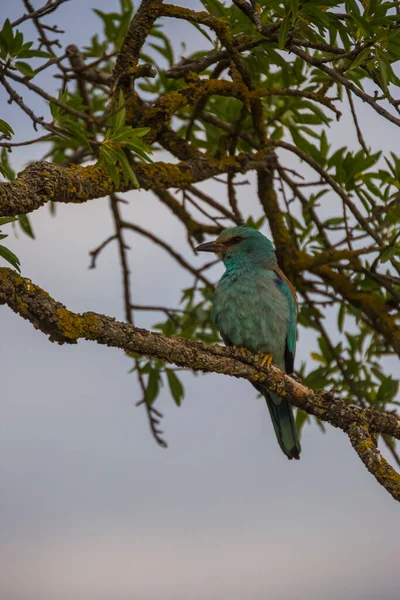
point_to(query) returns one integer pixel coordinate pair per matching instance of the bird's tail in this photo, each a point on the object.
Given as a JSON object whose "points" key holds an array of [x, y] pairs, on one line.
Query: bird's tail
{"points": [[283, 420]]}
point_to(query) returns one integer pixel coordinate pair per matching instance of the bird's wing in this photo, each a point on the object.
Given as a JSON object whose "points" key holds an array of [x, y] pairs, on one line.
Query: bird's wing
{"points": [[287, 288]]}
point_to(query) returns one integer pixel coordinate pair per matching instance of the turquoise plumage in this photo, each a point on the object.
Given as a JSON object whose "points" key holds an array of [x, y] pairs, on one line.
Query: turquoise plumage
{"points": [[255, 307]]}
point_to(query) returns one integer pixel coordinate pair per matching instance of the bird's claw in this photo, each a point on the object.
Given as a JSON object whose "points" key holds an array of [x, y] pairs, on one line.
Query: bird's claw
{"points": [[242, 350], [266, 359]]}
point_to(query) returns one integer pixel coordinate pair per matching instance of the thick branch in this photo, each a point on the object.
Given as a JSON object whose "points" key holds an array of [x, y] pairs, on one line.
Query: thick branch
{"points": [[170, 103], [366, 448], [42, 182], [64, 326], [138, 31]]}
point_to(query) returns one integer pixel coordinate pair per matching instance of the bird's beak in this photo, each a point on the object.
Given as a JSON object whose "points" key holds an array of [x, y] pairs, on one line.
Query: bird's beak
{"points": [[210, 247]]}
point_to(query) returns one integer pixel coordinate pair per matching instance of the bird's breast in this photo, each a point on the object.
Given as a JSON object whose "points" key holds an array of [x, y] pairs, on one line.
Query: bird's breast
{"points": [[249, 310]]}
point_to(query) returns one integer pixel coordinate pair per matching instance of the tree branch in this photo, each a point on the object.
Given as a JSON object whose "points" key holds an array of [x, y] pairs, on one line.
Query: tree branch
{"points": [[42, 182], [139, 28], [64, 326]]}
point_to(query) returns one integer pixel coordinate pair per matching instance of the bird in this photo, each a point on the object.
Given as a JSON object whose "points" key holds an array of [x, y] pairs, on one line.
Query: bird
{"points": [[255, 309]]}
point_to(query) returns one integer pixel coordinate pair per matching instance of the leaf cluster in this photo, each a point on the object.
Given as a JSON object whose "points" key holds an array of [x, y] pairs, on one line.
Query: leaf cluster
{"points": [[119, 139]]}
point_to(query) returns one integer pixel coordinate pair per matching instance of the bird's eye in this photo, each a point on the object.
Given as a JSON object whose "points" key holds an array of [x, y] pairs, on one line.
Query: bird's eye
{"points": [[236, 239]]}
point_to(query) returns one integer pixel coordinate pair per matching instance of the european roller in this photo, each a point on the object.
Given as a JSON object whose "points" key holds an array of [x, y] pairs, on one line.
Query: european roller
{"points": [[255, 307]]}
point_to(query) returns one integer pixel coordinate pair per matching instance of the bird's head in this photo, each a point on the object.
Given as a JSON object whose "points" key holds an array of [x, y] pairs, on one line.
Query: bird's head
{"points": [[242, 244]]}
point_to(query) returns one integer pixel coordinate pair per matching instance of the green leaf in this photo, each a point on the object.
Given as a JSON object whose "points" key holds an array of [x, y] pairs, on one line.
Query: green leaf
{"points": [[26, 226], [6, 129], [118, 120], [127, 171], [152, 386], [18, 42], [175, 386], [352, 7], [75, 129], [341, 316], [7, 36], [316, 379], [126, 6], [140, 131], [5, 220], [25, 69], [387, 390], [383, 70], [294, 5], [203, 32], [360, 58], [333, 221], [370, 8], [10, 257], [389, 253], [305, 145], [165, 51], [136, 147], [33, 53], [283, 32], [255, 224], [214, 7], [5, 167], [378, 373], [301, 419], [108, 19], [108, 159], [317, 357], [363, 25], [324, 145]]}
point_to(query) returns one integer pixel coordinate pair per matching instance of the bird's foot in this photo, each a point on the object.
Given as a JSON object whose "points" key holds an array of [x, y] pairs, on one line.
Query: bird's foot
{"points": [[266, 359], [243, 351]]}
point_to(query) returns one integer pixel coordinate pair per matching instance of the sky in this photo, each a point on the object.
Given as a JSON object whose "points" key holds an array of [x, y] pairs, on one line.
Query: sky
{"points": [[91, 508]]}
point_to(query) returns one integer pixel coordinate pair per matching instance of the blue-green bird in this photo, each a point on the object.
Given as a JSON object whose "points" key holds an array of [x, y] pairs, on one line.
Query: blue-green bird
{"points": [[255, 307]]}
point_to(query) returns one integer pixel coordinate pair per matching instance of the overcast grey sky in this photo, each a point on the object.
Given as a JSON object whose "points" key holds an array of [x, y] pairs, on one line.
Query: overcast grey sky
{"points": [[92, 509]]}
